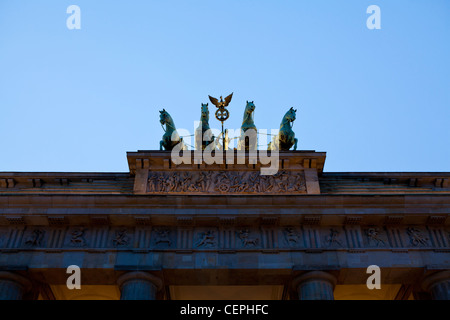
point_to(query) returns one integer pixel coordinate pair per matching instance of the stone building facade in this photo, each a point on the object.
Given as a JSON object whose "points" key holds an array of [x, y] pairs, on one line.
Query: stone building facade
{"points": [[224, 231]]}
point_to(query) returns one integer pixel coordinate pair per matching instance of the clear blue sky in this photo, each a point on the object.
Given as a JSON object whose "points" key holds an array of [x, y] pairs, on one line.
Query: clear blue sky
{"points": [[78, 100]]}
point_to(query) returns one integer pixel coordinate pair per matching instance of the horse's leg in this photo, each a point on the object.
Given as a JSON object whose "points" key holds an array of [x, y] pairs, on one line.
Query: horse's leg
{"points": [[213, 142], [161, 145], [295, 143], [182, 144]]}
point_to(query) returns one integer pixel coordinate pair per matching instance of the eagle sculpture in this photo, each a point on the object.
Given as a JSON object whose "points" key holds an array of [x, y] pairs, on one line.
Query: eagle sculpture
{"points": [[221, 104]]}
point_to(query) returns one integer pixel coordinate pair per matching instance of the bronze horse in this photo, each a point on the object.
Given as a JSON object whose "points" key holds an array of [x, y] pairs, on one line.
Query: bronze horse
{"points": [[245, 142], [170, 138], [286, 136], [201, 144]]}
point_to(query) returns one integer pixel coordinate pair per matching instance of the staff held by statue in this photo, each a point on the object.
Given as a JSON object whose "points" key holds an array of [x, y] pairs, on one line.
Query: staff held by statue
{"points": [[222, 114]]}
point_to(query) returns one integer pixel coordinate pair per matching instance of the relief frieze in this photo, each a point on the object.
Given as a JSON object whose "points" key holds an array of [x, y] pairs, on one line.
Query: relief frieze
{"points": [[226, 182], [230, 238]]}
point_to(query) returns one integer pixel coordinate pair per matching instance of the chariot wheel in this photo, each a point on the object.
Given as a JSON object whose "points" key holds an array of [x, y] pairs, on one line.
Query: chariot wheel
{"points": [[224, 187]]}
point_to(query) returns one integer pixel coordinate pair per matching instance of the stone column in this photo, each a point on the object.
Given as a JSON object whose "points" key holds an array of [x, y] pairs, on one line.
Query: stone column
{"points": [[315, 285], [138, 285], [438, 284], [13, 286]]}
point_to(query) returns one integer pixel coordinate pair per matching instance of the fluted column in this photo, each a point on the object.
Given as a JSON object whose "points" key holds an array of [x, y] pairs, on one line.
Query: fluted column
{"points": [[13, 286], [315, 285], [438, 284], [138, 285]]}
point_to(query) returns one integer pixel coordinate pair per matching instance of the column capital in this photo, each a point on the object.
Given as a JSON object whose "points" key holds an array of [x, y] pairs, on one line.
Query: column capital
{"points": [[436, 278], [315, 285], [314, 276], [140, 275]]}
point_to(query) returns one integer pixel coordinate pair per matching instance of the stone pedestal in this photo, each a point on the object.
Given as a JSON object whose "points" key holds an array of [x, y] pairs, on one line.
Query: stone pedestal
{"points": [[315, 285], [13, 286], [138, 286], [438, 284]]}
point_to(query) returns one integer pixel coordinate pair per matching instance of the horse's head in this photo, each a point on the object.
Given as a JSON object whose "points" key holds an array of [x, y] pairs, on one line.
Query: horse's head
{"points": [[290, 115], [205, 111], [164, 116], [250, 107]]}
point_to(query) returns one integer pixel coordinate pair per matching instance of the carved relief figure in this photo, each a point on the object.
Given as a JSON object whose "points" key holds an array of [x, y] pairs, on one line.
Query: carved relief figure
{"points": [[239, 184], [292, 236], [77, 239], [417, 237], [244, 235], [35, 239], [296, 184], [186, 182], [204, 180], [282, 181], [373, 235], [121, 238], [267, 183], [162, 236], [172, 182], [207, 239], [152, 184], [254, 182], [162, 183], [332, 239]]}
